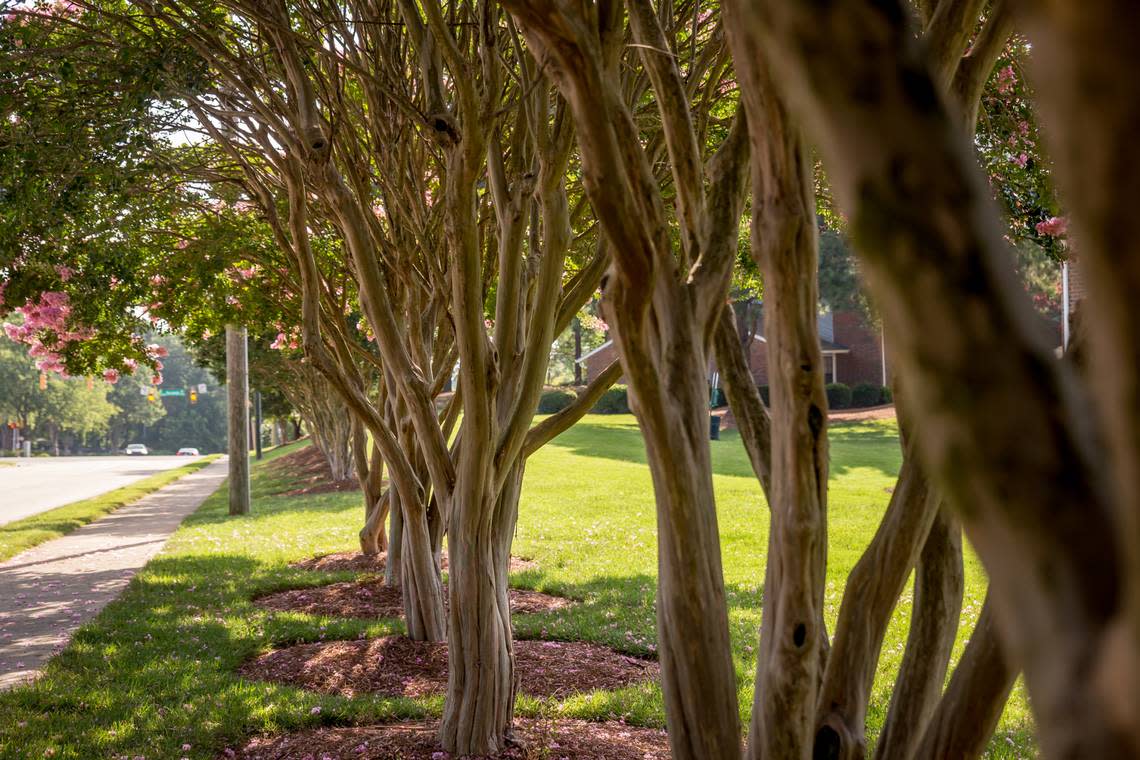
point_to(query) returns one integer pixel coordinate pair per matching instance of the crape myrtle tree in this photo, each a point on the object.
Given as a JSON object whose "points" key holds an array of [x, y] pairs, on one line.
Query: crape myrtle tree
{"points": [[439, 155], [811, 692], [664, 294], [225, 268], [1022, 456]]}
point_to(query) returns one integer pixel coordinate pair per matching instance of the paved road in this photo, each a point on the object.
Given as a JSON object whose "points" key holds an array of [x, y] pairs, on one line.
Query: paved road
{"points": [[49, 591], [42, 483]]}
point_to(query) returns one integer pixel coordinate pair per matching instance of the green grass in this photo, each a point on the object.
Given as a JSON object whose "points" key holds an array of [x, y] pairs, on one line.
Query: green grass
{"points": [[20, 535], [155, 670]]}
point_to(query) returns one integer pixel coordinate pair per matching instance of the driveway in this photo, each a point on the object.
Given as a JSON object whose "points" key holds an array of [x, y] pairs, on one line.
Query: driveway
{"points": [[41, 483]]}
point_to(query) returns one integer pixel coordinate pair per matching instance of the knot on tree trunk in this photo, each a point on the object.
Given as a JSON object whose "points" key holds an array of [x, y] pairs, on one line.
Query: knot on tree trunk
{"points": [[834, 740], [444, 127]]}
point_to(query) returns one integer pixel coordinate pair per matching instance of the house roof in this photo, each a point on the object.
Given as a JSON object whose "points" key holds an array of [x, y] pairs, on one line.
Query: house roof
{"points": [[588, 354]]}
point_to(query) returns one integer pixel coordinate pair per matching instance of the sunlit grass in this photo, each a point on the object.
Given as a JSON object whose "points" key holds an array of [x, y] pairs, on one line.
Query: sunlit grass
{"points": [[20, 535], [155, 670]]}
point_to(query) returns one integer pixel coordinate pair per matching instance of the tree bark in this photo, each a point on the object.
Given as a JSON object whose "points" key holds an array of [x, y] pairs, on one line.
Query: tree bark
{"points": [[868, 601], [1084, 62], [1015, 456], [481, 687], [970, 709], [939, 582], [784, 246]]}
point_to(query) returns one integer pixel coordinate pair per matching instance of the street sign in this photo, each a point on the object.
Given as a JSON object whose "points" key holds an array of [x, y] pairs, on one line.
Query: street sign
{"points": [[172, 392]]}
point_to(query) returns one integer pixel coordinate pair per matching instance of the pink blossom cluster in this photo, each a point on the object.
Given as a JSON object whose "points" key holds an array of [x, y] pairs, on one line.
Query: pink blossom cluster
{"points": [[591, 322], [46, 330], [1054, 226], [1006, 79], [290, 340]]}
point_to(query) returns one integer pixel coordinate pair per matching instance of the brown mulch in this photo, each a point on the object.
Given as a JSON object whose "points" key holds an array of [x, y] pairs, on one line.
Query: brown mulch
{"points": [[372, 599], [396, 666], [358, 561], [310, 473], [562, 739]]}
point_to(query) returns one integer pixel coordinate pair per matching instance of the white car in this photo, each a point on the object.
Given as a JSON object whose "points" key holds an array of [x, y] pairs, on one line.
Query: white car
{"points": [[136, 449], [187, 451]]}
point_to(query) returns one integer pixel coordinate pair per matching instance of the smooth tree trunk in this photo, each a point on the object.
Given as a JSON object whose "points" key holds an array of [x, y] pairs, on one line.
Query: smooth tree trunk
{"points": [[939, 582], [394, 569], [1018, 456], [873, 587], [969, 711], [481, 687]]}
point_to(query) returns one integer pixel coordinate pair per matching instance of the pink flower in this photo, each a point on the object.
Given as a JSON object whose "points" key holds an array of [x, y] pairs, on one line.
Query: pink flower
{"points": [[1054, 226], [111, 376], [155, 351], [1021, 160], [181, 244], [315, 711], [64, 273], [1006, 80]]}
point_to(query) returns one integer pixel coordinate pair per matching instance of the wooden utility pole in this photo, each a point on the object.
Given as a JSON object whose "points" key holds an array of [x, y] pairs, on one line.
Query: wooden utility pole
{"points": [[257, 422], [237, 382]]}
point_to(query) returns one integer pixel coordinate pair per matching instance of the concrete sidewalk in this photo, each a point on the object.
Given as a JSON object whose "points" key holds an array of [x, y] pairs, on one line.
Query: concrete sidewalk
{"points": [[49, 591]]}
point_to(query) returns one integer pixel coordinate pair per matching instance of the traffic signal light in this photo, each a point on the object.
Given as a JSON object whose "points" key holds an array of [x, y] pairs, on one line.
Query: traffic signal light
{"points": [[150, 395], [193, 396], [43, 381]]}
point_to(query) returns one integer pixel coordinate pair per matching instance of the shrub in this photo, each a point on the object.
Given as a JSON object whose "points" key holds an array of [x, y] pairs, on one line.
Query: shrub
{"points": [[613, 401], [555, 401], [866, 394], [718, 398], [838, 396], [887, 396]]}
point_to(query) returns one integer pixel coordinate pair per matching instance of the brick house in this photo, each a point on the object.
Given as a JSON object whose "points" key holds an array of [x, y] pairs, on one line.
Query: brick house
{"points": [[852, 350]]}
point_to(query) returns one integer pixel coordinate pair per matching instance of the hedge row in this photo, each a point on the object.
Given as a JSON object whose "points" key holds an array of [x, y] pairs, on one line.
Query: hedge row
{"points": [[616, 399], [839, 396]]}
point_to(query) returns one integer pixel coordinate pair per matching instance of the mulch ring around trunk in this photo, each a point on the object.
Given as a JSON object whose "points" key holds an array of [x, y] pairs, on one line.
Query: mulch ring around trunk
{"points": [[309, 473], [372, 599], [375, 563], [396, 666], [562, 739]]}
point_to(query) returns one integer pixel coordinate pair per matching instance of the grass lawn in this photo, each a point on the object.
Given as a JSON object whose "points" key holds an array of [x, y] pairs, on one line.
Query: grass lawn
{"points": [[19, 535], [153, 673]]}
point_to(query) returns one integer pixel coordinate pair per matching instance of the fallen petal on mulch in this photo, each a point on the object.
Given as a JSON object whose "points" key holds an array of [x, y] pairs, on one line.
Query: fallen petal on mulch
{"points": [[356, 561], [309, 472], [397, 666], [372, 599], [541, 740]]}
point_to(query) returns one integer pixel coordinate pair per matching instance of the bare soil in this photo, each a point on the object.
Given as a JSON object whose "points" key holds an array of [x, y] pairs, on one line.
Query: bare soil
{"points": [[309, 473], [372, 599], [562, 739], [399, 667], [359, 562]]}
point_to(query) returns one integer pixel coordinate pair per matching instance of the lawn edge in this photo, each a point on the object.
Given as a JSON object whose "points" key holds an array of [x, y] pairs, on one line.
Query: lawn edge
{"points": [[87, 511]]}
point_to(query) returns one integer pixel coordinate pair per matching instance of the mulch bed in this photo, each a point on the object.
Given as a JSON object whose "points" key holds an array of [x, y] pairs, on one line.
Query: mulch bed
{"points": [[397, 666], [372, 599], [310, 473], [359, 562], [562, 739]]}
